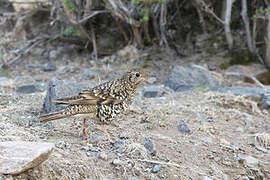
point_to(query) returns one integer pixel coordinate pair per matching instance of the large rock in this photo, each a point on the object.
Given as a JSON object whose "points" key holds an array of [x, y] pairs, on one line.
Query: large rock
{"points": [[19, 156], [185, 78], [59, 89], [254, 93]]}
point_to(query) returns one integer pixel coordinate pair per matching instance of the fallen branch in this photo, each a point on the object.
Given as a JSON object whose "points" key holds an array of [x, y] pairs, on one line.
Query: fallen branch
{"points": [[246, 75], [160, 162], [23, 51]]}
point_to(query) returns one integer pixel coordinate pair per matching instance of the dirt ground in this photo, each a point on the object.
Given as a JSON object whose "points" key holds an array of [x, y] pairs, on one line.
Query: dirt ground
{"points": [[220, 143], [222, 133]]}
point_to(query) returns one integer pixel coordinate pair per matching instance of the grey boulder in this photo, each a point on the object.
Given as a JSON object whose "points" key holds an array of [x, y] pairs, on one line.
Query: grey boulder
{"points": [[184, 78], [19, 156]]}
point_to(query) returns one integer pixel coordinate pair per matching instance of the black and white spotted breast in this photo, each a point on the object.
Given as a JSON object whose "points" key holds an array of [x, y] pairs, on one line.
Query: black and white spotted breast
{"points": [[108, 112]]}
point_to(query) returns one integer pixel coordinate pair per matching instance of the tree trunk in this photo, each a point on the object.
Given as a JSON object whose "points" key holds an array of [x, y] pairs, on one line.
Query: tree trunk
{"points": [[267, 41], [247, 27], [227, 23]]}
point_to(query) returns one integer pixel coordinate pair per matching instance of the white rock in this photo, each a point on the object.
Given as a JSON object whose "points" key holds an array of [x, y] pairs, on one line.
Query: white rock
{"points": [[19, 156]]}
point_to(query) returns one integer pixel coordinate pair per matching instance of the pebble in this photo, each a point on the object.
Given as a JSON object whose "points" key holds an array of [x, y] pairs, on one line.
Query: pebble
{"points": [[92, 154], [239, 129], [183, 127], [49, 67], [156, 168], [152, 91], [251, 161], [151, 80], [117, 162], [6, 82], [149, 145], [248, 160], [208, 140], [259, 148], [103, 156], [26, 89]]}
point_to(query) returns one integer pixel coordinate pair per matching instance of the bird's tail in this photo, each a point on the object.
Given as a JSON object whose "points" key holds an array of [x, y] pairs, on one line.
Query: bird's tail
{"points": [[53, 116]]}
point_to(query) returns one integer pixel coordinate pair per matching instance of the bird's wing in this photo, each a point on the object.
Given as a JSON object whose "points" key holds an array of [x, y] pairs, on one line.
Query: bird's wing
{"points": [[93, 96]]}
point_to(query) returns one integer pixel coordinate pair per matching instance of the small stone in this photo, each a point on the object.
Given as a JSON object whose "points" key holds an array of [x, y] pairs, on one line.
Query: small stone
{"points": [[208, 140], [239, 129], [148, 144], [156, 168], [117, 162], [26, 89], [49, 67], [248, 160], [92, 154], [19, 156], [251, 161], [183, 127], [151, 80], [6, 82], [259, 148], [152, 91], [227, 163], [103, 156]]}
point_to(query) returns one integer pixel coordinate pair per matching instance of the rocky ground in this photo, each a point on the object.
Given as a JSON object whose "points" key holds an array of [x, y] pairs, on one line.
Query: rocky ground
{"points": [[175, 130]]}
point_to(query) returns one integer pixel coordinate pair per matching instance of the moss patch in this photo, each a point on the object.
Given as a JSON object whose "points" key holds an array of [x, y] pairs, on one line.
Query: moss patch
{"points": [[264, 78]]}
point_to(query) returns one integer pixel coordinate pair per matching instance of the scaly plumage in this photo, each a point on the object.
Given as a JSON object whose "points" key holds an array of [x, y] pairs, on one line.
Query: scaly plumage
{"points": [[103, 102]]}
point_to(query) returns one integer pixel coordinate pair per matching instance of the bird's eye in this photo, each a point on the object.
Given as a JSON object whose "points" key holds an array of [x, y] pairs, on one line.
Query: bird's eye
{"points": [[137, 74]]}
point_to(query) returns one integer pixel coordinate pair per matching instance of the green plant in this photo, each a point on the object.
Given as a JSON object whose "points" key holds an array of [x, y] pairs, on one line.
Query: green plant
{"points": [[70, 31], [260, 13], [145, 11], [69, 4]]}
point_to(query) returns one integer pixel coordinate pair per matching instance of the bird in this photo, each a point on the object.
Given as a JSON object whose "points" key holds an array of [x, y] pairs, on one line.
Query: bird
{"points": [[102, 103]]}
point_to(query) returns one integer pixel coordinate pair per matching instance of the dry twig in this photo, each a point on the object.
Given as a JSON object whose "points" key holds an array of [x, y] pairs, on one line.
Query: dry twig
{"points": [[160, 162]]}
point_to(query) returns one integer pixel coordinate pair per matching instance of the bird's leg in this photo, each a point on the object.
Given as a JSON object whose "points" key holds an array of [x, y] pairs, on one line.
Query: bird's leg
{"points": [[84, 128], [106, 132]]}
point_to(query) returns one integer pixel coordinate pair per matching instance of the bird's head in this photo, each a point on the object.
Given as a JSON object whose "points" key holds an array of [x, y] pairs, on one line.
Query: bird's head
{"points": [[137, 77]]}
